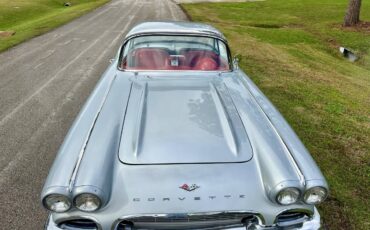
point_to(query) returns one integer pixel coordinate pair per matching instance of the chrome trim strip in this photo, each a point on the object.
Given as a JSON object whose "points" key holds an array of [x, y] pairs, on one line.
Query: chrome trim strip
{"points": [[311, 224], [309, 213], [83, 148], [177, 33], [230, 62], [259, 217], [53, 225], [295, 165]]}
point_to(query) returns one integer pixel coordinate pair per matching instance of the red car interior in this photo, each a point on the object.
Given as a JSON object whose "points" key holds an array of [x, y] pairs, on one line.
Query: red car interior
{"points": [[206, 63], [160, 59], [148, 58]]}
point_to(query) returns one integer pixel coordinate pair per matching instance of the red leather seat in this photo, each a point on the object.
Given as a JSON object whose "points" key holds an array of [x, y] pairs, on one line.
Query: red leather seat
{"points": [[206, 63], [148, 59], [193, 56]]}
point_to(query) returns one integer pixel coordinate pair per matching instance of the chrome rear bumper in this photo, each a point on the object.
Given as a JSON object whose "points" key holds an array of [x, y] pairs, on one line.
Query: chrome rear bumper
{"points": [[311, 224]]}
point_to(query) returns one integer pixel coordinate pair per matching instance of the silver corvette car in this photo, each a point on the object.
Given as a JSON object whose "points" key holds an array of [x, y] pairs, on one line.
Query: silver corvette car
{"points": [[176, 136]]}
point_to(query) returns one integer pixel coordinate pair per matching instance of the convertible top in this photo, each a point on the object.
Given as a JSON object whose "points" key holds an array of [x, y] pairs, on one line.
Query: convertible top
{"points": [[174, 28]]}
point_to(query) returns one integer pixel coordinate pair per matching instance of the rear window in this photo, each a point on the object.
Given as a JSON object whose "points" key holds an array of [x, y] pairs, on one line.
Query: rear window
{"points": [[175, 53]]}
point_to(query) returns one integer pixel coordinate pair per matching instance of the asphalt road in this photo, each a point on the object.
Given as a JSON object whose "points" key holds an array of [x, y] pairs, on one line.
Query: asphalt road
{"points": [[43, 84]]}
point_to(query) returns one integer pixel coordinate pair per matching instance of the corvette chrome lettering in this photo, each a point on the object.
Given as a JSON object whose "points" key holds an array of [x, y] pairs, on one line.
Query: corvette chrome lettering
{"points": [[195, 198]]}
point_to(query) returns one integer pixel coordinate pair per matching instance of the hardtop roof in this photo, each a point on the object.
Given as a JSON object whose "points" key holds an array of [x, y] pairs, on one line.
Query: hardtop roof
{"points": [[174, 27]]}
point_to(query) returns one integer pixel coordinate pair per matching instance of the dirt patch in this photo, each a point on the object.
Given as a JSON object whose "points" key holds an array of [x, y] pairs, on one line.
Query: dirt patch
{"points": [[5, 34], [333, 43], [196, 1], [362, 26], [334, 215], [266, 26], [275, 26]]}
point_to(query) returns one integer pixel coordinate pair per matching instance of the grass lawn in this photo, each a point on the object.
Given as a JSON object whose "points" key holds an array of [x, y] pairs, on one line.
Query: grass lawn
{"points": [[290, 49], [29, 18]]}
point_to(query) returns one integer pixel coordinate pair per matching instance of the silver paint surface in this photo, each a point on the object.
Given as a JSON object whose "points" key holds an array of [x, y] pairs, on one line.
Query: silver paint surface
{"points": [[44, 82], [157, 130], [174, 121], [174, 27]]}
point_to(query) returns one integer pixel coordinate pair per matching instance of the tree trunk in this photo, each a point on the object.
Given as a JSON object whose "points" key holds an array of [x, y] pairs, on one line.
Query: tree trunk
{"points": [[353, 13]]}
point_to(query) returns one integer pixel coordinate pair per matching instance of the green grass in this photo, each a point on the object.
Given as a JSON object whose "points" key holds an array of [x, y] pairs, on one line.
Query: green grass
{"points": [[29, 18], [290, 50]]}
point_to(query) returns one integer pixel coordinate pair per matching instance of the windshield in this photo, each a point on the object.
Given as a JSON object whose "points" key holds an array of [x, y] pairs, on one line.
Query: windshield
{"points": [[175, 53]]}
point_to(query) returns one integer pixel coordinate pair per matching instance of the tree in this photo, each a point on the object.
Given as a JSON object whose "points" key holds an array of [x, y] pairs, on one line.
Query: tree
{"points": [[352, 17]]}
